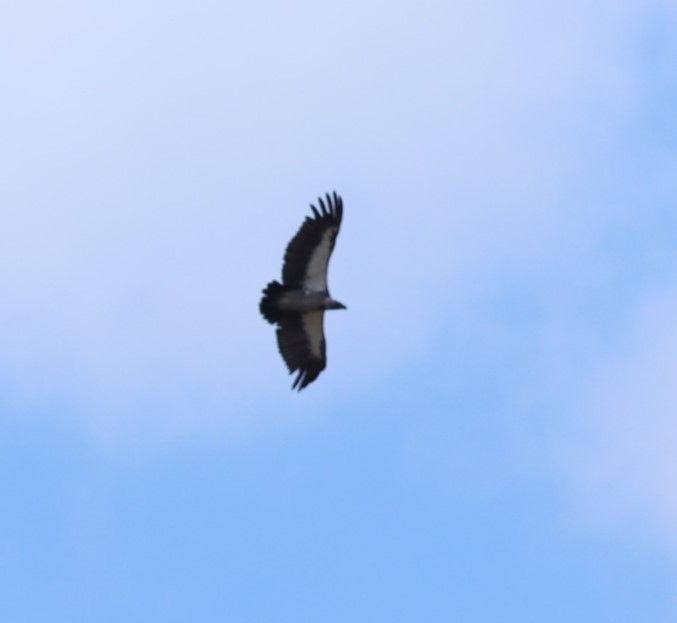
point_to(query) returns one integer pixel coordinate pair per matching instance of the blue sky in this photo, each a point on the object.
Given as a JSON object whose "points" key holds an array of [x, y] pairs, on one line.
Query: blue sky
{"points": [[493, 439]]}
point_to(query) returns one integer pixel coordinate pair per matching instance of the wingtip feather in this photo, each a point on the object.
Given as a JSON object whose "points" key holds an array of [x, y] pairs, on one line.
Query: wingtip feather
{"points": [[323, 207], [331, 206]]}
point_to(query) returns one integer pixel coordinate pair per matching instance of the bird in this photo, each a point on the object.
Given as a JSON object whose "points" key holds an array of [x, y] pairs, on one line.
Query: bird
{"points": [[297, 305]]}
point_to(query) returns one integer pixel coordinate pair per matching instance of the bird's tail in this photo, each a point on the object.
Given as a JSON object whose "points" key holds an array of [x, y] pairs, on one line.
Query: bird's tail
{"points": [[268, 306]]}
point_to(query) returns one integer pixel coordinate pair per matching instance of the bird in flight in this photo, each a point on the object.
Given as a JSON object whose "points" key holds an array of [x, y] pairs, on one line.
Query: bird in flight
{"points": [[297, 305]]}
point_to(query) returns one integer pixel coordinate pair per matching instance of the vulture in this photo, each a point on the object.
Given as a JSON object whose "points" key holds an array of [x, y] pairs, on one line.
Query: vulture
{"points": [[297, 305]]}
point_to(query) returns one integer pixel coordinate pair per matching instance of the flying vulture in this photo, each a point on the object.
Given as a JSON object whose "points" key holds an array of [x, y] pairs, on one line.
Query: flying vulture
{"points": [[297, 305]]}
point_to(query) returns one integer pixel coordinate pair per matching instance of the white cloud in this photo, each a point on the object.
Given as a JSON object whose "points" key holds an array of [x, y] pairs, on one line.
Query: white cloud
{"points": [[152, 188], [625, 472]]}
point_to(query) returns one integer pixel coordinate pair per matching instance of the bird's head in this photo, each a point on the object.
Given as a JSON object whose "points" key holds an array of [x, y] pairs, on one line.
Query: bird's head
{"points": [[332, 304]]}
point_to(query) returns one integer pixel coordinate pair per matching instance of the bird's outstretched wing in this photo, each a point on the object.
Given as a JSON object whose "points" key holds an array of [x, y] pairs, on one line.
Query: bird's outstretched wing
{"points": [[300, 338], [307, 256]]}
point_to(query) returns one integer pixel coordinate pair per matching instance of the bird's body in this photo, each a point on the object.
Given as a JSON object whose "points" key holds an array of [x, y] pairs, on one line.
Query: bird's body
{"points": [[297, 305], [303, 300]]}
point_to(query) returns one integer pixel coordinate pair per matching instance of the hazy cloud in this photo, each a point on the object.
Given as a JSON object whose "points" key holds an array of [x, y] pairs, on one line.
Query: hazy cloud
{"points": [[156, 167], [626, 468]]}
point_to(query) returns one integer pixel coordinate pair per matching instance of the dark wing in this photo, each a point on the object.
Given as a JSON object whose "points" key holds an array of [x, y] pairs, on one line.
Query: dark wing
{"points": [[300, 338], [307, 255]]}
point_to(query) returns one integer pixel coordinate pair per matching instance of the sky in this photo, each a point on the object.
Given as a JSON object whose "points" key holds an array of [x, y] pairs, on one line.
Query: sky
{"points": [[494, 437]]}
